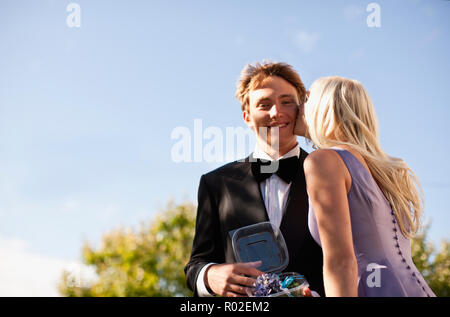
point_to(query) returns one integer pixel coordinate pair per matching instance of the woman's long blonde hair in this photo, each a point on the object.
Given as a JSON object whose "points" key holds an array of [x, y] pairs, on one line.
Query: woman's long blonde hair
{"points": [[339, 112]]}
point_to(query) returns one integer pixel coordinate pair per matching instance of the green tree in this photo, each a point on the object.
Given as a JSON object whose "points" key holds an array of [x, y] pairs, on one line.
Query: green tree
{"points": [[148, 262], [434, 265]]}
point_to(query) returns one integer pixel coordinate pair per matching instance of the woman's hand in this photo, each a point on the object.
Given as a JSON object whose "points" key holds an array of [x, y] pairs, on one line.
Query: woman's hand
{"points": [[300, 127], [300, 123]]}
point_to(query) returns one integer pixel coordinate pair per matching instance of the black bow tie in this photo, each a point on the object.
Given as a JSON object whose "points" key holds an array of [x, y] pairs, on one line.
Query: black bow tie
{"points": [[287, 169]]}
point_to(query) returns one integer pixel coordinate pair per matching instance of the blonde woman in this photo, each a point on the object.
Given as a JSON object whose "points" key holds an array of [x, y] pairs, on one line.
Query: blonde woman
{"points": [[364, 205]]}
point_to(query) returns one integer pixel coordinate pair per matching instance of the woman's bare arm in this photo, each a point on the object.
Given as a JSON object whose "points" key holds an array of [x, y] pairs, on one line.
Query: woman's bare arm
{"points": [[327, 180]]}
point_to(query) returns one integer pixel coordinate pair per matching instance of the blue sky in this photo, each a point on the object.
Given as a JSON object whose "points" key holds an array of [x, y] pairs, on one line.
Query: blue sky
{"points": [[86, 114]]}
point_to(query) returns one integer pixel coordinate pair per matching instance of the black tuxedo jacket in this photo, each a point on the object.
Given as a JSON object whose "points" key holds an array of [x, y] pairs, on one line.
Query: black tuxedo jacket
{"points": [[229, 198]]}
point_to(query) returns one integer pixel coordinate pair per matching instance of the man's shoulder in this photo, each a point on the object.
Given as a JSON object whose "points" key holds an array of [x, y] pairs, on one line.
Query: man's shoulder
{"points": [[236, 169], [303, 154]]}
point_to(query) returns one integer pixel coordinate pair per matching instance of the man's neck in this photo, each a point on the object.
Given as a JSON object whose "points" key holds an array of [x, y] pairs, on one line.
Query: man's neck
{"points": [[275, 153]]}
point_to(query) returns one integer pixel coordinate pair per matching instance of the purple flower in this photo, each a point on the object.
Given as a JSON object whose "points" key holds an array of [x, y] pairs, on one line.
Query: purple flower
{"points": [[267, 284]]}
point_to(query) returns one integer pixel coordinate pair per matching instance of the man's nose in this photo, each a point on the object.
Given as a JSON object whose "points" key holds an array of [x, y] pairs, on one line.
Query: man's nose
{"points": [[274, 111]]}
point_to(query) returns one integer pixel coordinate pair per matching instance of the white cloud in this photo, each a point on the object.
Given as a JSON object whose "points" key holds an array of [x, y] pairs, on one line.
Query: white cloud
{"points": [[306, 41], [353, 12], [429, 12], [23, 273], [433, 35], [357, 54], [240, 40], [71, 206]]}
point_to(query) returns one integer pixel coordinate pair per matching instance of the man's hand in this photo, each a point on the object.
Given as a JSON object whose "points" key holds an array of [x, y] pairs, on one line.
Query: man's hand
{"points": [[232, 279]]}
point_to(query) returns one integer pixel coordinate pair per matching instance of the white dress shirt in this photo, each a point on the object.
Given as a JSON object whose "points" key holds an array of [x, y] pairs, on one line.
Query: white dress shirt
{"points": [[274, 191]]}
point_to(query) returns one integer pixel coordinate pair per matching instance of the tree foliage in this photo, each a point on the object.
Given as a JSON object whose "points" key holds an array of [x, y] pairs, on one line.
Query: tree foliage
{"points": [[150, 262], [433, 264]]}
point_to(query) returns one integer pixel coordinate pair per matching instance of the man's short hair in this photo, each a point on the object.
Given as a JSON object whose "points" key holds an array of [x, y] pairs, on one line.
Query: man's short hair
{"points": [[253, 76]]}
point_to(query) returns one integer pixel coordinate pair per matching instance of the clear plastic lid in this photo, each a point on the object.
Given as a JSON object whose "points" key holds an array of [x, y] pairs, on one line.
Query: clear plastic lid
{"points": [[261, 242]]}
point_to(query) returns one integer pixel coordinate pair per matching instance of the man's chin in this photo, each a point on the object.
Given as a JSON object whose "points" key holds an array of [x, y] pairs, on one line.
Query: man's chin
{"points": [[281, 142], [284, 137]]}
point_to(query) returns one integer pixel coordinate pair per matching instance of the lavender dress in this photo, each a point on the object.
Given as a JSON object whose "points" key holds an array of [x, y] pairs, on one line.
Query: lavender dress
{"points": [[383, 254]]}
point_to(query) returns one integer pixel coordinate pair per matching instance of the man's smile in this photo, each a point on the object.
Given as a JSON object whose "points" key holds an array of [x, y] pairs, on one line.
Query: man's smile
{"points": [[279, 125]]}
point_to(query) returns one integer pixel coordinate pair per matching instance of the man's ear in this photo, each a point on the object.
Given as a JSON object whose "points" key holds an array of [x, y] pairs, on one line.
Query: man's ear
{"points": [[247, 119]]}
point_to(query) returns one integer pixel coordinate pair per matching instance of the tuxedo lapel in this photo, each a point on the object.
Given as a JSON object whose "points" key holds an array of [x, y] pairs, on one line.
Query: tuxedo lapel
{"points": [[247, 198], [250, 208], [255, 203], [295, 219]]}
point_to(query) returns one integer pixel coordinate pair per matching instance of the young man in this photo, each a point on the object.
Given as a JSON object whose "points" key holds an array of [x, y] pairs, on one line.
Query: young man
{"points": [[239, 194]]}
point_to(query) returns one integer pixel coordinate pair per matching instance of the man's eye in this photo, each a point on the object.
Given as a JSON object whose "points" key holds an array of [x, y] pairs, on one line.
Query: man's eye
{"points": [[264, 105], [288, 103]]}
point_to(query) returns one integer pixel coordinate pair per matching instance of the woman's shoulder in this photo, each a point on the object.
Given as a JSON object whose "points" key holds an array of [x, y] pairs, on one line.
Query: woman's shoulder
{"points": [[323, 162], [322, 157]]}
